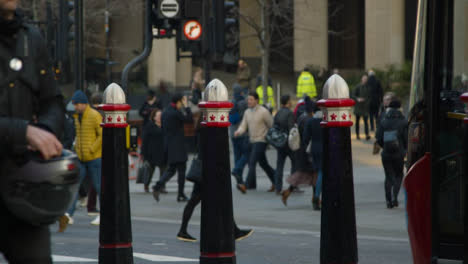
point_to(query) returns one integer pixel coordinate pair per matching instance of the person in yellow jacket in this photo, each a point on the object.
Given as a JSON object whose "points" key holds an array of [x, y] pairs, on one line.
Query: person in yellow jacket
{"points": [[88, 147], [270, 97], [306, 85]]}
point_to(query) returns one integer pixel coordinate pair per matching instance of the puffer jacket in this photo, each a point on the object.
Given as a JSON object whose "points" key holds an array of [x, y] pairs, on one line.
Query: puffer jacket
{"points": [[88, 143]]}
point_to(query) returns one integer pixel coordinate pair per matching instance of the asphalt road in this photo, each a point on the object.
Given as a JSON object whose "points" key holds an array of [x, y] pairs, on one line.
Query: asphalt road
{"points": [[283, 235]]}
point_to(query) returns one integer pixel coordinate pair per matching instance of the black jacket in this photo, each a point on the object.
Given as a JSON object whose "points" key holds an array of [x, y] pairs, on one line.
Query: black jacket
{"points": [[27, 93], [153, 144], [313, 134], [173, 129], [393, 119], [284, 119]]}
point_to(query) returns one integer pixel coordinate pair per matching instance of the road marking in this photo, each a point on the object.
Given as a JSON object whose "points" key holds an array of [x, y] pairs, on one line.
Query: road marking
{"points": [[161, 258], [277, 230], [67, 259], [158, 244]]}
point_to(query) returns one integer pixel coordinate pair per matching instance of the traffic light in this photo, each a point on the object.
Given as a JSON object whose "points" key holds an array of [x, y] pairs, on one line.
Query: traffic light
{"points": [[65, 29], [226, 30], [192, 28], [166, 17]]}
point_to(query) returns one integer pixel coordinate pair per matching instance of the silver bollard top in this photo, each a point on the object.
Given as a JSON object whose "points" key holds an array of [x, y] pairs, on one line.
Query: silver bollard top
{"points": [[335, 88], [216, 91], [114, 94]]}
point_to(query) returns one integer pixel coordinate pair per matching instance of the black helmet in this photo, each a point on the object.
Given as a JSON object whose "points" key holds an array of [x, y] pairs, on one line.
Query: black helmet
{"points": [[39, 191]]}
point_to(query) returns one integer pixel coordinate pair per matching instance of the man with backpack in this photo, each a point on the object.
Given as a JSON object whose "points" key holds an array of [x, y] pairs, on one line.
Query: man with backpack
{"points": [[392, 136]]}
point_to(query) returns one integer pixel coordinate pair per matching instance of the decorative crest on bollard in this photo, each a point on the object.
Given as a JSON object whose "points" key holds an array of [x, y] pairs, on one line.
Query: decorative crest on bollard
{"points": [[336, 103], [215, 106], [114, 107], [464, 98]]}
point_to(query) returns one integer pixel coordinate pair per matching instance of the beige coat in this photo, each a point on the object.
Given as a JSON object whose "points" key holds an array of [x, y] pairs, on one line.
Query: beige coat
{"points": [[257, 121]]}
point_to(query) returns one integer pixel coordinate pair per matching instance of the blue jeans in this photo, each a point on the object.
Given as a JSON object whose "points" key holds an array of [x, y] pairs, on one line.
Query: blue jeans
{"points": [[237, 144], [318, 185], [93, 170], [245, 147]]}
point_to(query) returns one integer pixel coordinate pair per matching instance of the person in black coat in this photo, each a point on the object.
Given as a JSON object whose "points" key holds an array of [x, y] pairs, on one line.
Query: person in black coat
{"points": [[313, 135], [152, 146], [375, 96], [31, 117], [392, 136], [173, 119]]}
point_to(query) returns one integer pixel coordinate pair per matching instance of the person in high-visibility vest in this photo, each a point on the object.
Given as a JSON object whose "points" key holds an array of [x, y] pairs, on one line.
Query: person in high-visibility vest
{"points": [[306, 85], [270, 99]]}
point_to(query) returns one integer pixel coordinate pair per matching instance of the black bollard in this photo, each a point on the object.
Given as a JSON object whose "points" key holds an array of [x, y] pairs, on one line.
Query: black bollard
{"points": [[115, 230], [217, 245], [338, 242]]}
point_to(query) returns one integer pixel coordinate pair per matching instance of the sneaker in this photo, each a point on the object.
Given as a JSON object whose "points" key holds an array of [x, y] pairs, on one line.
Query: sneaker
{"points": [[83, 201], [64, 221], [243, 234], [93, 213], [96, 221], [184, 236]]}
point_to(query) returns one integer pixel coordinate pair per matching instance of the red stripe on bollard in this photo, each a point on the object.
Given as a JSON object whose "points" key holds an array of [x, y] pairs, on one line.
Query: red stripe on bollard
{"points": [[215, 104], [117, 245], [216, 124], [345, 102], [114, 107], [336, 124], [109, 125], [218, 255]]}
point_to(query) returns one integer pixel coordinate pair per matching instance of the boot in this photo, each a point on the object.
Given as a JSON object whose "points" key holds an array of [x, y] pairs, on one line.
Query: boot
{"points": [[316, 203], [284, 196], [157, 191]]}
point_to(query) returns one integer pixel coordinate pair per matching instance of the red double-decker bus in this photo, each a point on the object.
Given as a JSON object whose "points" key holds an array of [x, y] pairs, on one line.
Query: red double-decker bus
{"points": [[436, 182]]}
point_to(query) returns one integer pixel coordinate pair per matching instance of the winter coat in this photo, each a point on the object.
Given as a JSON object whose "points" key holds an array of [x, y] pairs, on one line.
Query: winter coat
{"points": [[375, 93], [313, 134], [237, 112], [152, 146], [361, 108], [243, 76], [30, 91], [88, 143], [393, 122], [257, 121], [172, 122], [284, 119]]}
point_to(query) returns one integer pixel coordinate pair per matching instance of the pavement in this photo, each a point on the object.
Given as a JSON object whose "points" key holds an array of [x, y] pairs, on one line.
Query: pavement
{"points": [[283, 235]]}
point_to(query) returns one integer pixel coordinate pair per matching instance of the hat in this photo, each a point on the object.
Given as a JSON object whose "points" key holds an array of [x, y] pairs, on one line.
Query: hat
{"points": [[79, 97]]}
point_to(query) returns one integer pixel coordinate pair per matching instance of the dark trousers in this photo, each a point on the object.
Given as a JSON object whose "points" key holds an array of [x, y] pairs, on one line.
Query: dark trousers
{"points": [[162, 168], [194, 200], [169, 173], [373, 117], [366, 124], [258, 155], [393, 168], [283, 153], [22, 243], [244, 148]]}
